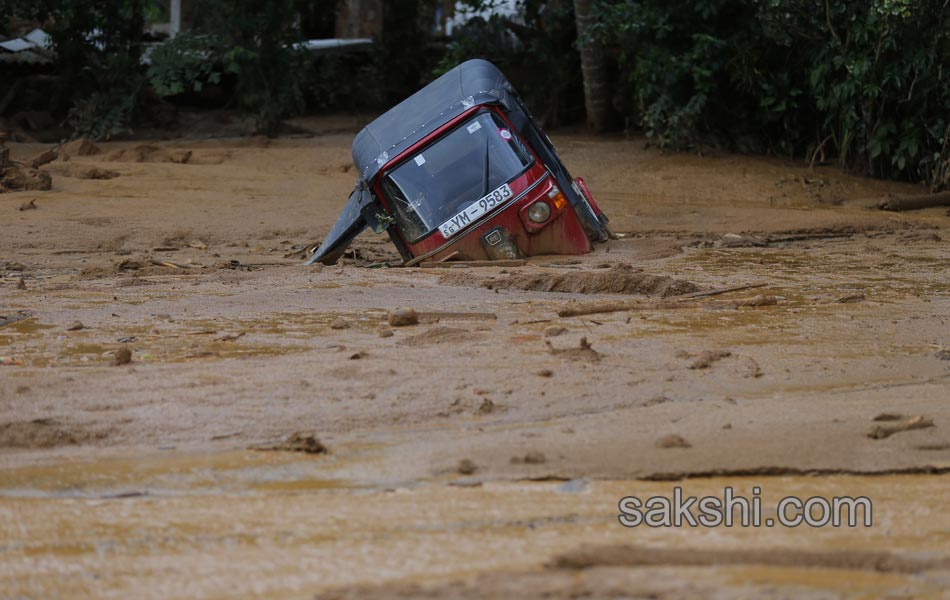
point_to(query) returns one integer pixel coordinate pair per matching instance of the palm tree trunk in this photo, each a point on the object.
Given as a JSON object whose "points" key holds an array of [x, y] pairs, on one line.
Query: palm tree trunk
{"points": [[596, 83]]}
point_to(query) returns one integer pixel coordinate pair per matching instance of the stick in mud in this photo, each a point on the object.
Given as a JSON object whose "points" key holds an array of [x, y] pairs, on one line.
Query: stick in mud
{"points": [[608, 307], [915, 202], [880, 432], [727, 290]]}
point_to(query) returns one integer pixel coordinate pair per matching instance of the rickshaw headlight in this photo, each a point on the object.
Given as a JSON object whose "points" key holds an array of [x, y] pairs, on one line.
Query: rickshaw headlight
{"points": [[539, 212]]}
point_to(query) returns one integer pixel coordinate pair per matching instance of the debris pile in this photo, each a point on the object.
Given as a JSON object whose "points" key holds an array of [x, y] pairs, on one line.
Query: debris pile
{"points": [[16, 176]]}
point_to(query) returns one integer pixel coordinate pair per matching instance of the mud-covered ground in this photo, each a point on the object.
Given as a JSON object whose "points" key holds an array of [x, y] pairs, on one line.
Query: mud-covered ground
{"points": [[482, 452]]}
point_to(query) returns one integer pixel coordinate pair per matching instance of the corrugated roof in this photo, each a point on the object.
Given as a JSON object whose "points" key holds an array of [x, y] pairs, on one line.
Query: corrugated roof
{"points": [[31, 49]]}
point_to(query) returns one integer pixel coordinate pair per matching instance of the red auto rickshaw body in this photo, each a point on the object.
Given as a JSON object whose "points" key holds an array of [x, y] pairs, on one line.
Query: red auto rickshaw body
{"points": [[561, 233], [460, 171]]}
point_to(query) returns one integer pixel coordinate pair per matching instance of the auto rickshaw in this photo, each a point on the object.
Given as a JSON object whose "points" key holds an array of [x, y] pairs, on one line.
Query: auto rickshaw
{"points": [[460, 170]]}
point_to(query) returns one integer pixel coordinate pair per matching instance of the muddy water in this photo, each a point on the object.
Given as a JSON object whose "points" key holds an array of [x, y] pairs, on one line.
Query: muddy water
{"points": [[138, 481], [266, 525]]}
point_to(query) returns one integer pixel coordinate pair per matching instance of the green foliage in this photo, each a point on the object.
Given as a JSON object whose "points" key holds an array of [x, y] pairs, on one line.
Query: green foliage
{"points": [[863, 81], [346, 82], [256, 41], [187, 63], [536, 51], [108, 110], [98, 45]]}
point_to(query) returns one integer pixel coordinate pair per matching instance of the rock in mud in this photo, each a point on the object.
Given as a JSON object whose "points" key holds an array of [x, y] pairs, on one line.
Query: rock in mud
{"points": [[339, 324], [386, 333], [466, 467], [308, 443], [21, 284], [31, 205], [75, 326], [80, 147], [531, 458], [554, 331], [545, 373], [672, 441], [486, 407], [123, 356], [16, 178], [583, 352], [620, 279], [750, 368], [708, 357], [942, 354], [657, 400], [403, 316]]}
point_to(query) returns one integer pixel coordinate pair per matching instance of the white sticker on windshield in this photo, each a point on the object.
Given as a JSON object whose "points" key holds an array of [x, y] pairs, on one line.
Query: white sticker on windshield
{"points": [[420, 160], [474, 127]]}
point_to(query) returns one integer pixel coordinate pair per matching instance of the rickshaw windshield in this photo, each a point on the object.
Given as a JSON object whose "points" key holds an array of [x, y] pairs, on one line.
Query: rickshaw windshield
{"points": [[468, 163]]}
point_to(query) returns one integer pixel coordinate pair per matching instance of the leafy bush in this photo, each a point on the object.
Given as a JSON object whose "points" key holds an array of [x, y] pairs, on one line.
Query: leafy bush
{"points": [[188, 62], [257, 42], [98, 45], [345, 82], [862, 81], [535, 50]]}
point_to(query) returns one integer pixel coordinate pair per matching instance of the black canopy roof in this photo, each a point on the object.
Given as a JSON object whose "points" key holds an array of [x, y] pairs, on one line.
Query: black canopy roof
{"points": [[472, 82]]}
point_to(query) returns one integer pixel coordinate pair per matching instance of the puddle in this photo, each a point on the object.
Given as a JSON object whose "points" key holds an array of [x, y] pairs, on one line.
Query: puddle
{"points": [[173, 473], [26, 327]]}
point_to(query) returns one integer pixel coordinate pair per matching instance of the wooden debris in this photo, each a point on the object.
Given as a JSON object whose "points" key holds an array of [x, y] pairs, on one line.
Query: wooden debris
{"points": [[43, 158], [879, 432], [437, 316], [727, 290], [171, 264], [594, 308], [915, 202]]}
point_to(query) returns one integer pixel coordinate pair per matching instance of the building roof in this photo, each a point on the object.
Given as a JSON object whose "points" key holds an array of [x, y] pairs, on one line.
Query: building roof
{"points": [[31, 49]]}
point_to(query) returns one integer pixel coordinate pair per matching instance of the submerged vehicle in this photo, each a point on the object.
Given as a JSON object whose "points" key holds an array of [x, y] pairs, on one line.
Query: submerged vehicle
{"points": [[461, 171]]}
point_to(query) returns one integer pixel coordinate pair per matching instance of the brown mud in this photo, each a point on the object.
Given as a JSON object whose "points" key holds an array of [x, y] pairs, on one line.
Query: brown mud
{"points": [[617, 279], [142, 479]]}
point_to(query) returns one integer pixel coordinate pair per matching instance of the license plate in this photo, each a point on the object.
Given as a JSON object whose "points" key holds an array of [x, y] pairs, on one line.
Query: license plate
{"points": [[475, 211]]}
